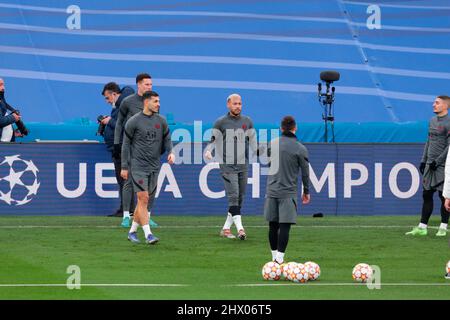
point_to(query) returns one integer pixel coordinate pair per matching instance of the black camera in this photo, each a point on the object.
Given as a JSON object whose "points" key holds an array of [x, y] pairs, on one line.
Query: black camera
{"points": [[20, 125], [101, 126]]}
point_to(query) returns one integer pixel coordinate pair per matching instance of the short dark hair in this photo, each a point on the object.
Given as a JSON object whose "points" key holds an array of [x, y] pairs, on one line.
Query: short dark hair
{"points": [[142, 76], [288, 123], [111, 86], [446, 99], [149, 94]]}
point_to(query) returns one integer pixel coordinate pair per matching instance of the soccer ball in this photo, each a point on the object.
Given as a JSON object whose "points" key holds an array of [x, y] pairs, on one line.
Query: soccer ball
{"points": [[298, 273], [362, 272], [271, 271], [286, 269], [313, 270]]}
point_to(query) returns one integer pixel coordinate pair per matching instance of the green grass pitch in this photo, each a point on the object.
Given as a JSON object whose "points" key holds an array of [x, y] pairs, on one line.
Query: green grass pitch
{"points": [[38, 250]]}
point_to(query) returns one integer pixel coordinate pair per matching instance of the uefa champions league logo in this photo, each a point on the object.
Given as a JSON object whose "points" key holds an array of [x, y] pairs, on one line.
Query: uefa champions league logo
{"points": [[18, 180]]}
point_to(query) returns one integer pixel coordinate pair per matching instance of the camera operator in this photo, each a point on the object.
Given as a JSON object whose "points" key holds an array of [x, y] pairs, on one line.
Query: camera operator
{"points": [[7, 132], [107, 124]]}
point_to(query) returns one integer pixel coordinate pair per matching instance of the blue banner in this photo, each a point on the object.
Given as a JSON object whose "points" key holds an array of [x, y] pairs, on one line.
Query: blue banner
{"points": [[79, 179]]}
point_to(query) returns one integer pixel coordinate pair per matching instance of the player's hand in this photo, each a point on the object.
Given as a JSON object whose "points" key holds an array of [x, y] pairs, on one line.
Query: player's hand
{"points": [[16, 117], [171, 158], [106, 120], [422, 167], [433, 166], [306, 198], [447, 204], [208, 155], [17, 134], [124, 174]]}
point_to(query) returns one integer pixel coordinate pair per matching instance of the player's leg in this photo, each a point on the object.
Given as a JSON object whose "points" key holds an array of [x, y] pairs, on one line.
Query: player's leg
{"points": [[120, 181], [152, 186], [127, 199], [139, 182], [152, 223], [271, 215], [442, 231], [283, 239], [230, 181], [242, 182], [287, 209], [427, 210], [274, 229]]}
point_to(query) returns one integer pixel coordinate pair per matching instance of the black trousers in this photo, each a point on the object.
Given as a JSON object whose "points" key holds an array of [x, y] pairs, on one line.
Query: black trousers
{"points": [[427, 207], [279, 235], [117, 167]]}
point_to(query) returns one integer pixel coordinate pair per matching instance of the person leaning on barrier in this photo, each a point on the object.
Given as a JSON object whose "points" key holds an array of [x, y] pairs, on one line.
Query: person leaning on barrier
{"points": [[7, 132], [114, 96]]}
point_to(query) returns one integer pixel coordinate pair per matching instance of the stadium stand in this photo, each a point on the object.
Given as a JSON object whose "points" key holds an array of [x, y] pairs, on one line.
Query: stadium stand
{"points": [[198, 53]]}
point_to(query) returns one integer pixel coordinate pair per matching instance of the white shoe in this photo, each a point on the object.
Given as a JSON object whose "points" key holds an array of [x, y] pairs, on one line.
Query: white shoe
{"points": [[226, 233]]}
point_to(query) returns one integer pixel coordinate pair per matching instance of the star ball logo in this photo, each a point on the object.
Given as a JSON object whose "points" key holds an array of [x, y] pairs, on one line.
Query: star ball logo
{"points": [[18, 180]]}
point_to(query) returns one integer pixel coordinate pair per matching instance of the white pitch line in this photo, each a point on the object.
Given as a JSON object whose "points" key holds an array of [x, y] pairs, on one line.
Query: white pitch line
{"points": [[336, 284], [218, 226], [132, 285]]}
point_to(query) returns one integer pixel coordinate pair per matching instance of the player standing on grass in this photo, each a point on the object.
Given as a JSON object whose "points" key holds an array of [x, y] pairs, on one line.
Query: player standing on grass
{"points": [[146, 137], [432, 167], [130, 106], [232, 136], [446, 194], [280, 207]]}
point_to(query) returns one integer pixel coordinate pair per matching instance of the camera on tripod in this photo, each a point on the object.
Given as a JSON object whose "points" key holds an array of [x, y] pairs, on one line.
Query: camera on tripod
{"points": [[327, 99], [101, 126]]}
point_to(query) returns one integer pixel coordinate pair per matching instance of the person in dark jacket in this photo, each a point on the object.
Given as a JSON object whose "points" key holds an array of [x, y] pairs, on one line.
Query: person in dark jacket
{"points": [[7, 133], [114, 96]]}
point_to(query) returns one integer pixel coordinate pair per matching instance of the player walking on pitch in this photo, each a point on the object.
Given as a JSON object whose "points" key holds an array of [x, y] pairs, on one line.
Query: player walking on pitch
{"points": [[146, 137], [280, 207], [233, 135], [129, 107], [432, 167]]}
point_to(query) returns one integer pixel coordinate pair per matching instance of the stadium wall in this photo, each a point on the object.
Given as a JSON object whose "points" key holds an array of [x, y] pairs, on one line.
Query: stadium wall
{"points": [[372, 132], [78, 179]]}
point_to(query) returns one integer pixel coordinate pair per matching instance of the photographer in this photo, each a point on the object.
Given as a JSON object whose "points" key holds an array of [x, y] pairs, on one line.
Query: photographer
{"points": [[107, 124], [7, 132]]}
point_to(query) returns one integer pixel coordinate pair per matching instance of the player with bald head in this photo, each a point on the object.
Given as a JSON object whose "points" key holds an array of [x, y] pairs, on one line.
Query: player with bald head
{"points": [[232, 136]]}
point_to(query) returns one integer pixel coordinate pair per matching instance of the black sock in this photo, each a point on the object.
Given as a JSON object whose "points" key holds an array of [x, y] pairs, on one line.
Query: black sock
{"points": [[273, 235], [427, 207], [444, 213], [283, 237]]}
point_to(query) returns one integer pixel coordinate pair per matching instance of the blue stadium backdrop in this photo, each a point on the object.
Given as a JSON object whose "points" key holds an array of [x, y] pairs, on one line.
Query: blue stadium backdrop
{"points": [[56, 55], [78, 179]]}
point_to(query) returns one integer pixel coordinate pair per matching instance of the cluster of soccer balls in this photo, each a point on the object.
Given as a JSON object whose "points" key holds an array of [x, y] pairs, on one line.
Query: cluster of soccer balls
{"points": [[303, 272], [292, 271]]}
